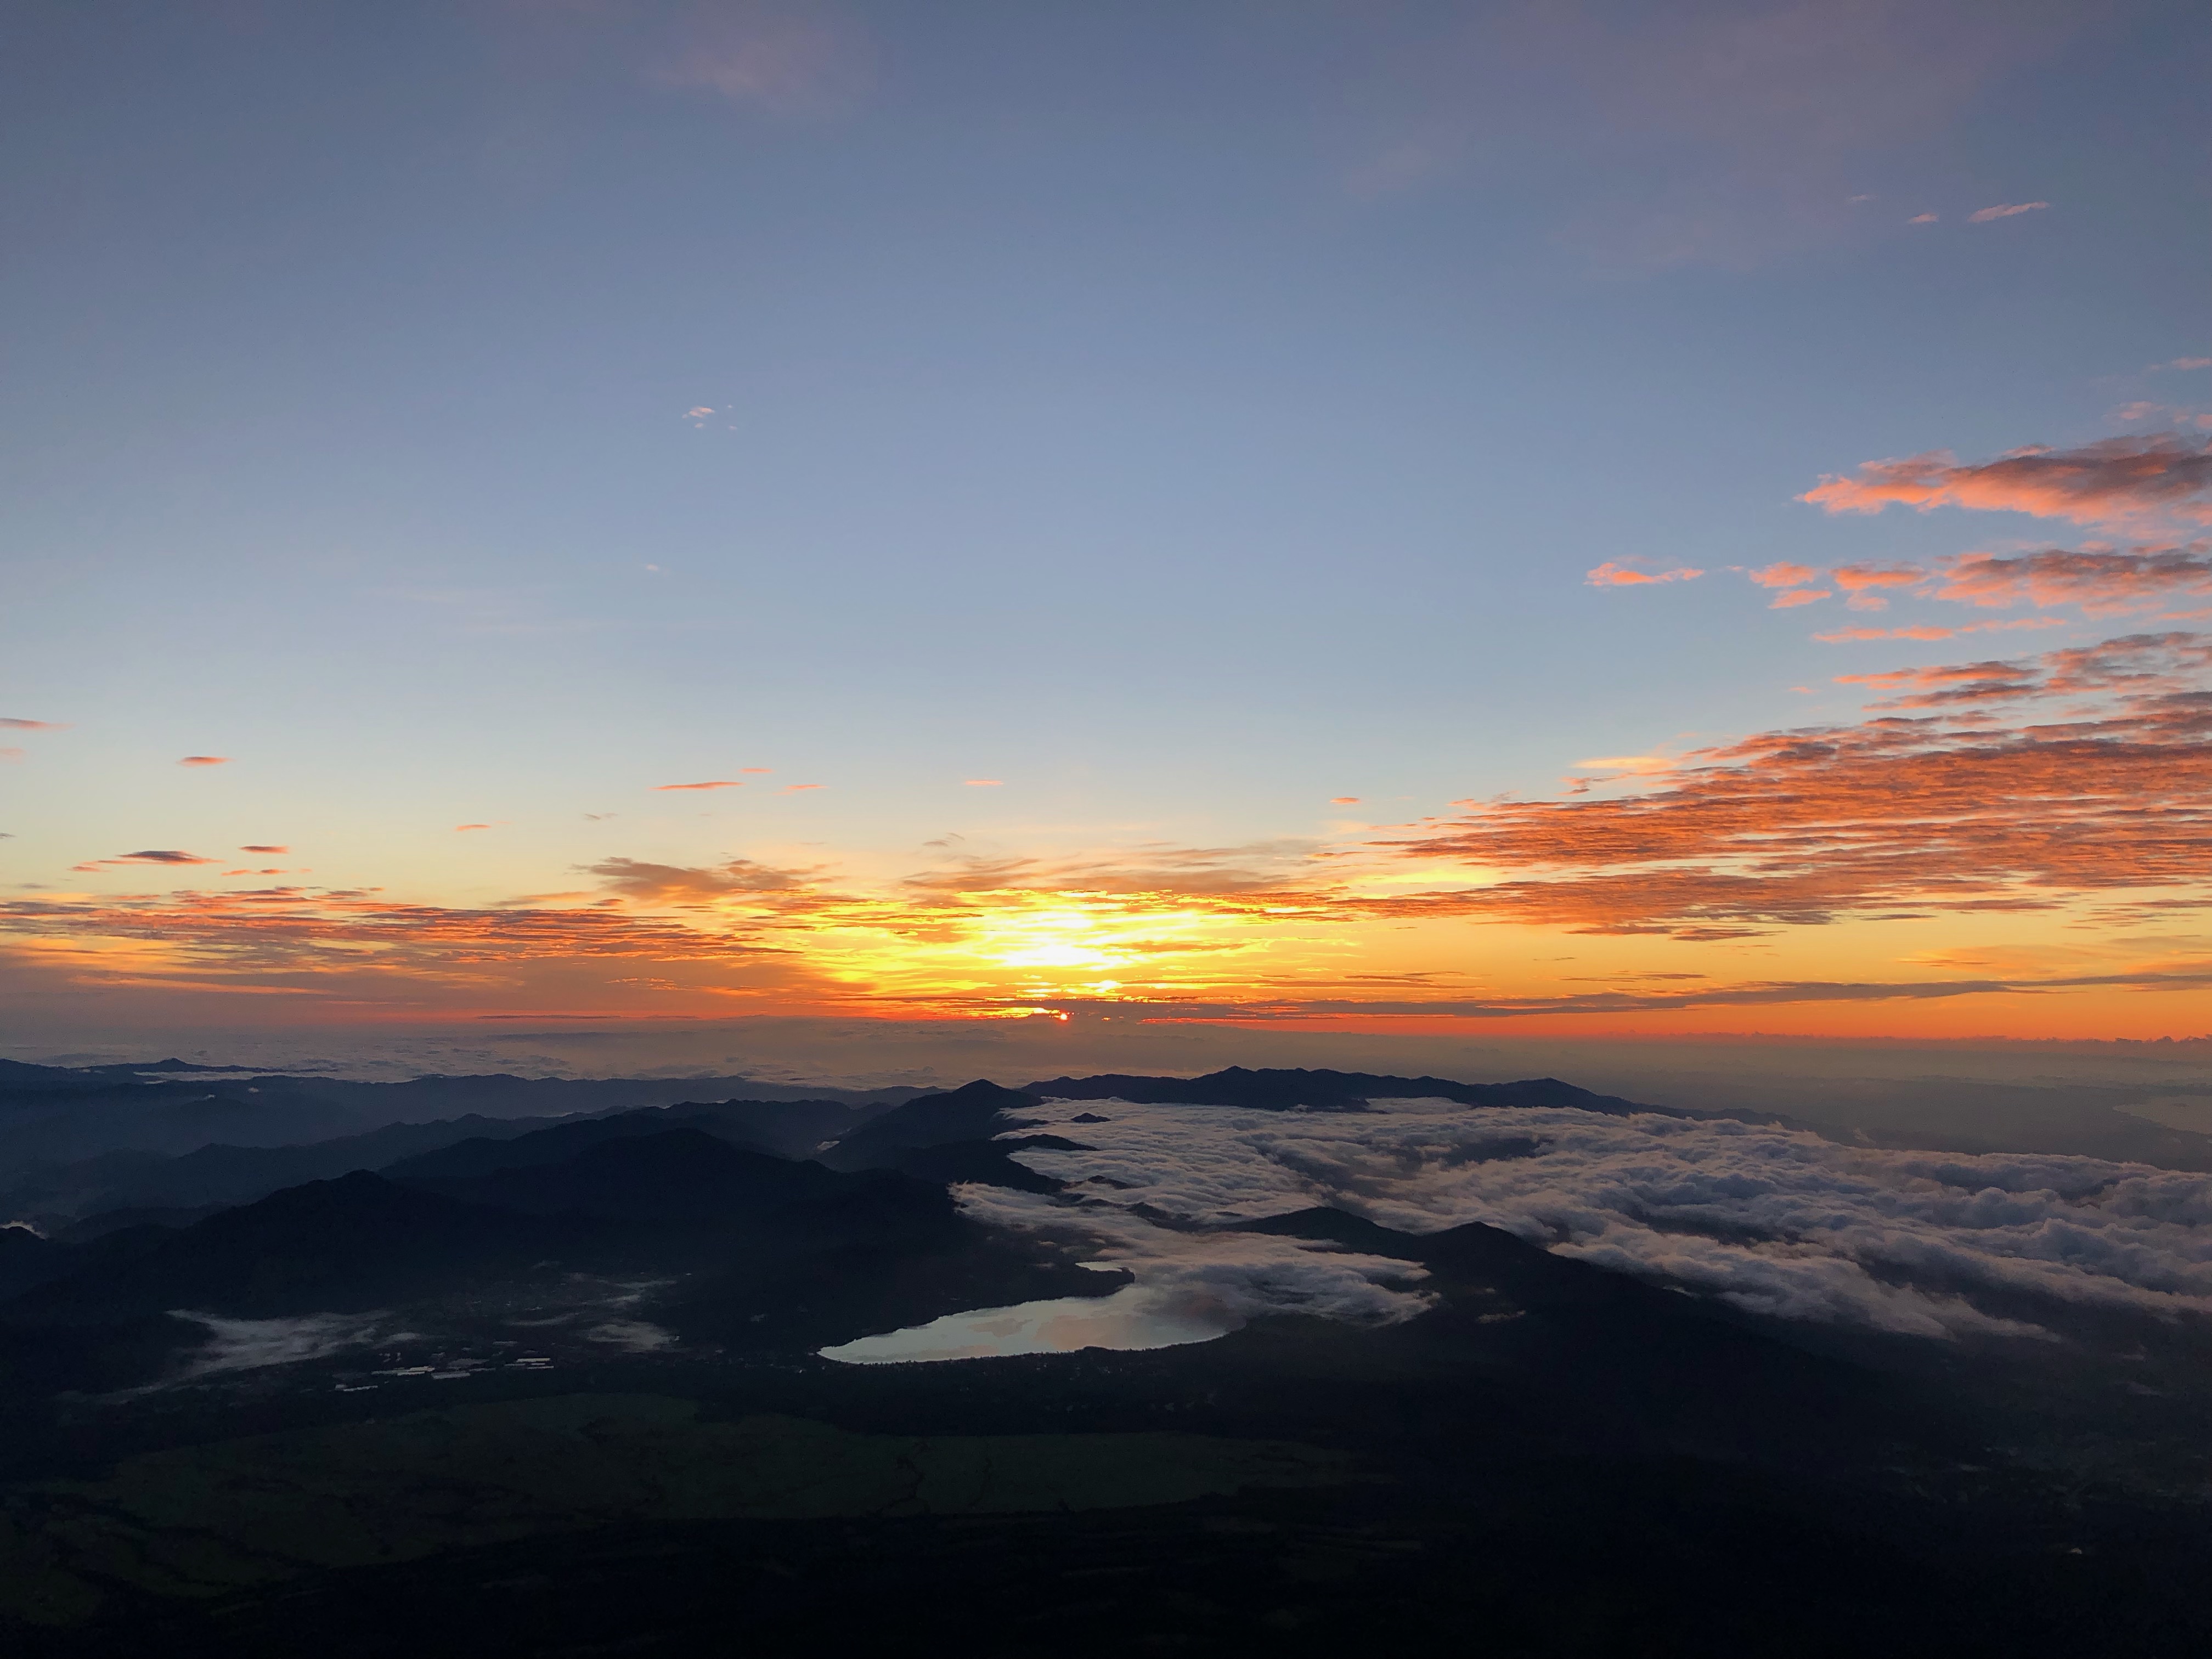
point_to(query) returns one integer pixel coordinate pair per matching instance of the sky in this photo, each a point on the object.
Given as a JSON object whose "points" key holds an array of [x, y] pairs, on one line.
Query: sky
{"points": [[1423, 521]]}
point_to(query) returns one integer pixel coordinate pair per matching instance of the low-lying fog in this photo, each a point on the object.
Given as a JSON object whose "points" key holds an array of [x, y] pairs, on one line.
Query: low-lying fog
{"points": [[1776, 1221]]}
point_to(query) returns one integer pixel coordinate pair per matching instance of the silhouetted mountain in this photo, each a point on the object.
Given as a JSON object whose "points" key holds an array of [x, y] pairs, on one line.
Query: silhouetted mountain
{"points": [[56, 1115], [356, 1243], [480, 1156], [880, 1252], [989, 1162], [237, 1174], [25, 1260], [972, 1112], [663, 1177], [174, 1218], [1331, 1091]]}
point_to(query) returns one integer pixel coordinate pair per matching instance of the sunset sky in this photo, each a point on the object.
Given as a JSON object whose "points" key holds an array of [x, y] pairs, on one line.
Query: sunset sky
{"points": [[1541, 517]]}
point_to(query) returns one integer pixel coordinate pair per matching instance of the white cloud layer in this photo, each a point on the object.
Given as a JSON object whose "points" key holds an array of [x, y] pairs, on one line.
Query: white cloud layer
{"points": [[1775, 1221], [241, 1345]]}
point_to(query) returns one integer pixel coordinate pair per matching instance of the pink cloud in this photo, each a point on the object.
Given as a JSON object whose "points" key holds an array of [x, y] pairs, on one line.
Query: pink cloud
{"points": [[800, 788], [1613, 575], [2166, 668], [2004, 210], [1842, 634], [459, 827], [1800, 827], [1923, 219], [1922, 631], [711, 783], [2103, 582], [751, 770], [205, 760], [1858, 581], [2188, 362], [265, 849], [1797, 596], [1344, 800], [11, 754], [2112, 480], [984, 783], [1783, 575], [32, 726]]}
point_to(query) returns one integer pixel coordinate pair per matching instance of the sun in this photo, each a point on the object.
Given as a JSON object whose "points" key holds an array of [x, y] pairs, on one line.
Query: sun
{"points": [[1050, 938]]}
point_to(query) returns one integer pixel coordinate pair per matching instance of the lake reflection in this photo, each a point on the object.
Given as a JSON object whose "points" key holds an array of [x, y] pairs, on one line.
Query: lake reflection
{"points": [[1135, 1316]]}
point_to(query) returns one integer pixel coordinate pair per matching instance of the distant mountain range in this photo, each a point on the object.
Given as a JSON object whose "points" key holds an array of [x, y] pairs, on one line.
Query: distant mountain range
{"points": [[554, 1385]]}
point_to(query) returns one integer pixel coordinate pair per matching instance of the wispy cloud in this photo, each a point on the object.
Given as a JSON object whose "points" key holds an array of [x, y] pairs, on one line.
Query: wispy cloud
{"points": [[205, 760], [265, 849], [1924, 631], [711, 783], [159, 855], [2108, 482], [675, 882], [1946, 812], [777, 56], [2004, 210], [14, 725], [1862, 582], [983, 783], [1782, 574], [1611, 574], [2102, 582], [459, 827]]}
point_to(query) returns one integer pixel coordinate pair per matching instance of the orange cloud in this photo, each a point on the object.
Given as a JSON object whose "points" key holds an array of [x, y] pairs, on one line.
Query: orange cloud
{"points": [[1858, 581], [1613, 575], [711, 783], [2102, 582], [11, 754], [1924, 632], [265, 849], [1344, 800], [800, 788], [2108, 482], [671, 882], [1797, 596], [984, 783], [1783, 575], [1842, 634], [458, 827], [1889, 818], [2004, 210], [205, 760], [32, 726]]}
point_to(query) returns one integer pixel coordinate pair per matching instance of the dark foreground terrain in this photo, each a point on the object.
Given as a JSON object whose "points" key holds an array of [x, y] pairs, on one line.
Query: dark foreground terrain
{"points": [[557, 1392]]}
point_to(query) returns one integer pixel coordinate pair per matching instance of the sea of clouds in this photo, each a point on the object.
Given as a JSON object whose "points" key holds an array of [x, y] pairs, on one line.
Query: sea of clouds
{"points": [[1776, 1221]]}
